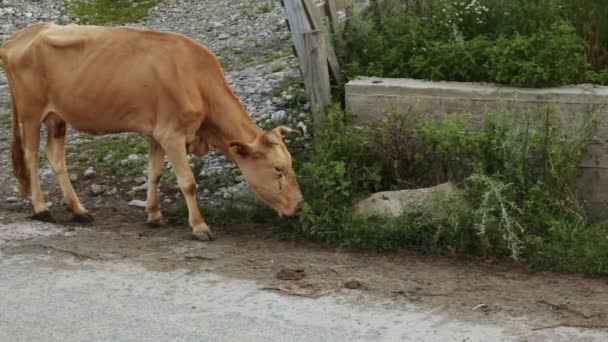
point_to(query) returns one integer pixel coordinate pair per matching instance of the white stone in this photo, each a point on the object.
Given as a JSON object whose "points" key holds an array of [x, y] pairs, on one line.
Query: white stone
{"points": [[394, 203], [89, 173], [138, 203]]}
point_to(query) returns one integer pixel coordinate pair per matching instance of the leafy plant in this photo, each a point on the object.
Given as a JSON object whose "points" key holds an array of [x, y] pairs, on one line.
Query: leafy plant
{"points": [[97, 12], [521, 43]]}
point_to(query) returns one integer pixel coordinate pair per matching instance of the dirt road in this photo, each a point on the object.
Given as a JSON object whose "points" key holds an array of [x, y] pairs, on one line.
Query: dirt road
{"points": [[118, 280]]}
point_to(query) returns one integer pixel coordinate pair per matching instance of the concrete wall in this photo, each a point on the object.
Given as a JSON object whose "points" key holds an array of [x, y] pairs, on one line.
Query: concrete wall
{"points": [[370, 99]]}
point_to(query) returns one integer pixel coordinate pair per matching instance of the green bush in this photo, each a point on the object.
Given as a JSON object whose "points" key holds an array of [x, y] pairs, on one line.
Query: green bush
{"points": [[520, 43], [97, 12], [515, 196]]}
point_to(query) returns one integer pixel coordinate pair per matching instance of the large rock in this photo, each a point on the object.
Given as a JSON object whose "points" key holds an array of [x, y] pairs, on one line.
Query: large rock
{"points": [[393, 203]]}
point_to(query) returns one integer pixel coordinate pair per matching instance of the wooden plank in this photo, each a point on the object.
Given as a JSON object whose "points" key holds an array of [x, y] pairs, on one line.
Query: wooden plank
{"points": [[319, 8], [316, 77], [333, 15], [298, 23], [334, 66]]}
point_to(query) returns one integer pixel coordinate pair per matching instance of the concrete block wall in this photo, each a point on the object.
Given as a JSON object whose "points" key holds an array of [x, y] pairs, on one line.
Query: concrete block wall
{"points": [[369, 99]]}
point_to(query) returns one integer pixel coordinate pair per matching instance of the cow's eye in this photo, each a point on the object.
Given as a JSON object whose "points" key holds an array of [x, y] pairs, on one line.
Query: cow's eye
{"points": [[279, 170]]}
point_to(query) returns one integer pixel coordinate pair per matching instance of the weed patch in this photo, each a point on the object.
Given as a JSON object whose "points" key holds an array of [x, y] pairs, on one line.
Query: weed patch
{"points": [[98, 12], [515, 176], [520, 43]]}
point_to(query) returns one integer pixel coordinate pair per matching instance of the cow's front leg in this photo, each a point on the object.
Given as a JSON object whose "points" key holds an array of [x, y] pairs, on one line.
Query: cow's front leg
{"points": [[155, 172], [176, 151]]}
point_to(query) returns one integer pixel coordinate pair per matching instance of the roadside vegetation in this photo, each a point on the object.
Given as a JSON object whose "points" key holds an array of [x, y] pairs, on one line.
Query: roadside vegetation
{"points": [[519, 42], [515, 198], [98, 12]]}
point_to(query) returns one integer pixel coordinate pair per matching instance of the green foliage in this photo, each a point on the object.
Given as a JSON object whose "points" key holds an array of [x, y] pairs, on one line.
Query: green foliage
{"points": [[98, 12], [520, 43], [516, 173], [546, 58]]}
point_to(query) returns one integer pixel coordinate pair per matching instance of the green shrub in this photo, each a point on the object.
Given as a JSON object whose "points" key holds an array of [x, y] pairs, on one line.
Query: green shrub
{"points": [[520, 43], [97, 12]]}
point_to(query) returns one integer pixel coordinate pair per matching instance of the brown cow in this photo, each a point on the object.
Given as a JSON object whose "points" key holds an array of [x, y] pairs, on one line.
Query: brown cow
{"points": [[167, 86]]}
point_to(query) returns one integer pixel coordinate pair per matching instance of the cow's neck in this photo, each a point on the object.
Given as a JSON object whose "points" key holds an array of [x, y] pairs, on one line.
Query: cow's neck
{"points": [[230, 122]]}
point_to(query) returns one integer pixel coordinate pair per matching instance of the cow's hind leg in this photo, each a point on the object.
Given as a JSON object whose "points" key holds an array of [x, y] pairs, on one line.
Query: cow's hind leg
{"points": [[55, 153], [176, 151], [156, 158], [31, 142]]}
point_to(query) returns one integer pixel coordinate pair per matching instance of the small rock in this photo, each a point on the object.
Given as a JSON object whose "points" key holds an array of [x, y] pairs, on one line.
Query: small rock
{"points": [[290, 274], [89, 173], [239, 179], [393, 203], [28, 14], [73, 177], [142, 187], [111, 192], [97, 189], [227, 195], [3, 79], [130, 193], [140, 180], [279, 117], [49, 204], [206, 192], [134, 157], [138, 203], [302, 127], [223, 36], [352, 284], [306, 106], [12, 199]]}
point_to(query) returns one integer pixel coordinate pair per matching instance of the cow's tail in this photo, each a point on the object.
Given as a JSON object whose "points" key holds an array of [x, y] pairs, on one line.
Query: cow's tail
{"points": [[17, 154]]}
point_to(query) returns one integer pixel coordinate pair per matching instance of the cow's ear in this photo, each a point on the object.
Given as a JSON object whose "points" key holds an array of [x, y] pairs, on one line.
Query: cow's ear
{"points": [[240, 149], [270, 138]]}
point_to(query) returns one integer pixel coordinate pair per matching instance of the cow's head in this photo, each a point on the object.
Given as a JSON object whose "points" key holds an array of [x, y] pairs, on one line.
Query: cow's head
{"points": [[266, 165]]}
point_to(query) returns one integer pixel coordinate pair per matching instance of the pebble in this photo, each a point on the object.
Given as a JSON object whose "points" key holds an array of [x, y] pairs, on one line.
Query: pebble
{"points": [[12, 199], [279, 117], [97, 189], [138, 203], [89, 173], [142, 187], [111, 192], [302, 127]]}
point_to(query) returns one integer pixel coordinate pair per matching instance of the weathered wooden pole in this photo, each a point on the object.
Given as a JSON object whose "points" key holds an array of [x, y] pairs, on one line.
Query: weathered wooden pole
{"points": [[316, 74], [298, 24]]}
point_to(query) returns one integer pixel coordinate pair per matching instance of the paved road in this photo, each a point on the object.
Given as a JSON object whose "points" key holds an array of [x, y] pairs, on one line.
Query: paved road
{"points": [[59, 298]]}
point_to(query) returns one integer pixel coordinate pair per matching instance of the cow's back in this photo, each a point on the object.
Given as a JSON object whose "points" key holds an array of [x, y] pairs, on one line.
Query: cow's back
{"points": [[106, 77]]}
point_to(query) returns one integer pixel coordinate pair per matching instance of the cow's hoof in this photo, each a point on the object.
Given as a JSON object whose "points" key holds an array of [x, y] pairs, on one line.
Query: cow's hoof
{"points": [[157, 223], [44, 216], [203, 235], [83, 218]]}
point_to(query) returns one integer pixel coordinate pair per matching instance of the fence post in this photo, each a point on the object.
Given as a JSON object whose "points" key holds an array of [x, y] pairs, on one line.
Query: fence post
{"points": [[316, 74], [298, 24]]}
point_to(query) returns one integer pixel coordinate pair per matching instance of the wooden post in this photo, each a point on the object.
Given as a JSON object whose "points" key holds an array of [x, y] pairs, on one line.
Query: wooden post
{"points": [[316, 24], [298, 24], [316, 76], [333, 15]]}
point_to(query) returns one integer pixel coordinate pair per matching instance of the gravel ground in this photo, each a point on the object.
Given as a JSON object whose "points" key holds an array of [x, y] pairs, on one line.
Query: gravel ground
{"points": [[253, 45]]}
